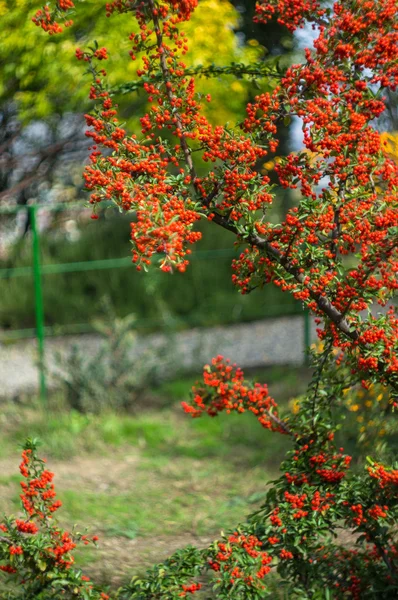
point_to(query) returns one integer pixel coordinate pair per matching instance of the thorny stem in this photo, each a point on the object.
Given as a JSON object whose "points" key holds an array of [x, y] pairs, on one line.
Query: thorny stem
{"points": [[319, 373], [323, 302], [279, 422]]}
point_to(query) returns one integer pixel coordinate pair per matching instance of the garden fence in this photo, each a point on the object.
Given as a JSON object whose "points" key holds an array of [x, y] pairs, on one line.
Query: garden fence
{"points": [[38, 270]]}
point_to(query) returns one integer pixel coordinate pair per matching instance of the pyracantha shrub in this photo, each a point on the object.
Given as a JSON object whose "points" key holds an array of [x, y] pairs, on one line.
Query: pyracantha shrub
{"points": [[327, 529], [35, 553]]}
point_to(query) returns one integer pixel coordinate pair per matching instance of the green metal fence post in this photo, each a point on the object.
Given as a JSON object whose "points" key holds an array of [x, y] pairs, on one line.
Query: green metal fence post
{"points": [[39, 309], [307, 335]]}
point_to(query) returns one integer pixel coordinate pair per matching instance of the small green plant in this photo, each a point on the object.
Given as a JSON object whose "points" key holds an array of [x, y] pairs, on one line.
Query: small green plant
{"points": [[114, 376]]}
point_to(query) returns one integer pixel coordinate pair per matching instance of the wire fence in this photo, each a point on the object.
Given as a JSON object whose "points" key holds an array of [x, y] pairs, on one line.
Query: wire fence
{"points": [[37, 269]]}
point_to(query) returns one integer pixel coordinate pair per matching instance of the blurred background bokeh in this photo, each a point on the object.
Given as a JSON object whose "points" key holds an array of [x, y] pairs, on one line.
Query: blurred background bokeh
{"points": [[84, 264]]}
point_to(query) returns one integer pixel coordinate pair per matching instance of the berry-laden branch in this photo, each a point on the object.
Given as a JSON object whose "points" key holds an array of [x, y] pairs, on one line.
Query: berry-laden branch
{"points": [[226, 390], [172, 98], [308, 253], [269, 69], [34, 551]]}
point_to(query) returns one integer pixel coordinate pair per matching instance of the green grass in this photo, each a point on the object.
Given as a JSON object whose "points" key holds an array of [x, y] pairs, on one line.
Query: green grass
{"points": [[238, 438], [161, 429], [150, 482], [170, 502], [164, 476]]}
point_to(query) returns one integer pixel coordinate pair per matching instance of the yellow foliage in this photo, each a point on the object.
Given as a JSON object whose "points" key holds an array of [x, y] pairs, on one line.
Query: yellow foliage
{"points": [[268, 166], [390, 142], [372, 413], [294, 405], [42, 73]]}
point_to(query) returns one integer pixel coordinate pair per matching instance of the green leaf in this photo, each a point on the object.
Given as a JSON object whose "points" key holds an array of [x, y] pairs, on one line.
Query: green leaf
{"points": [[42, 565]]}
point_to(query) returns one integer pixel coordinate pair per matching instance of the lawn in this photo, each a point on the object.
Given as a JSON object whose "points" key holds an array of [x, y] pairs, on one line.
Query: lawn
{"points": [[150, 482]]}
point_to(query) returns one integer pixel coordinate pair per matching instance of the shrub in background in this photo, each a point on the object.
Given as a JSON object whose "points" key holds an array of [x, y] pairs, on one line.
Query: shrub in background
{"points": [[111, 377], [204, 296]]}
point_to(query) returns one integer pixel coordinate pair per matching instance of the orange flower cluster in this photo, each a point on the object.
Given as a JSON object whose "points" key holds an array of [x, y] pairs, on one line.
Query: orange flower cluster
{"points": [[46, 18], [385, 477], [190, 589], [290, 13]]}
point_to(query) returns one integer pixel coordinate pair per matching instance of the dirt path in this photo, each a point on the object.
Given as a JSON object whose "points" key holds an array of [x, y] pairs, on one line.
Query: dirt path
{"points": [[123, 552], [117, 557]]}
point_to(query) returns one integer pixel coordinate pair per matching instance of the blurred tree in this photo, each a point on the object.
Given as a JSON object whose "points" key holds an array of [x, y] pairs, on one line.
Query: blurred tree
{"points": [[272, 36], [275, 40], [41, 105], [41, 89]]}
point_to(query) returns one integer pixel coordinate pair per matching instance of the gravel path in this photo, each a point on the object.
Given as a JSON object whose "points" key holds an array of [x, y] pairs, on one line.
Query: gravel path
{"points": [[261, 343]]}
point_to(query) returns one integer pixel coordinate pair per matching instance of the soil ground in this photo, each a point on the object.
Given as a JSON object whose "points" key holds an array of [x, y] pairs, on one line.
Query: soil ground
{"points": [[147, 483]]}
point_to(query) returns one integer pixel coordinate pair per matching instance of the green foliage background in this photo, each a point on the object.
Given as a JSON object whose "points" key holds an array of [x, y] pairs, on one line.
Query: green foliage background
{"points": [[41, 72], [203, 296], [41, 78]]}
